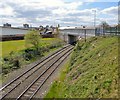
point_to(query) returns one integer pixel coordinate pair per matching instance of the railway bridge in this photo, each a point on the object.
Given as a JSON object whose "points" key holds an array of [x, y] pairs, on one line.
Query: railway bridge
{"points": [[71, 35]]}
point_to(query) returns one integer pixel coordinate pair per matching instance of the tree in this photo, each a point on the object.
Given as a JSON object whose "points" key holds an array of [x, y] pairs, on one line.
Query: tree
{"points": [[33, 38], [104, 25]]}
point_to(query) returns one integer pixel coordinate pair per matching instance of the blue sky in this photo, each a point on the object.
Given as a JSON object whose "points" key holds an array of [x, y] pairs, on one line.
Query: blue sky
{"points": [[53, 12], [101, 5]]}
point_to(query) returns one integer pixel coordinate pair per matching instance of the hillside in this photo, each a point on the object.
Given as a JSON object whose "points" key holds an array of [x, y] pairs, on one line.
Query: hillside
{"points": [[92, 71]]}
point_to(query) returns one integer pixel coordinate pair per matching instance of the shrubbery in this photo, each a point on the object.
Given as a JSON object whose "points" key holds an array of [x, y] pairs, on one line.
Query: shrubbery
{"points": [[17, 59]]}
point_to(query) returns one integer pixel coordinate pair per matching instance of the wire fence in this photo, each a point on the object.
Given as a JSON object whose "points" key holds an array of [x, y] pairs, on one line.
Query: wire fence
{"points": [[108, 31]]}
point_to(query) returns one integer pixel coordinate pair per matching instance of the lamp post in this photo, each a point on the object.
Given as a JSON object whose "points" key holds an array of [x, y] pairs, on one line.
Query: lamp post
{"points": [[94, 17]]}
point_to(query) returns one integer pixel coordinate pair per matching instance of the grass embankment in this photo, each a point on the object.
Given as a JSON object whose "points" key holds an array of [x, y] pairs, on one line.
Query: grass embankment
{"points": [[16, 54], [92, 71]]}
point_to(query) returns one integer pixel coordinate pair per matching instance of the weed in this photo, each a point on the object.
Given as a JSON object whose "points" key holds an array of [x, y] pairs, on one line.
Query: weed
{"points": [[92, 72], [17, 58]]}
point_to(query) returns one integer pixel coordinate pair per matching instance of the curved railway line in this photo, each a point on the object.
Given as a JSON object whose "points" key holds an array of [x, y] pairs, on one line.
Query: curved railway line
{"points": [[27, 84]]}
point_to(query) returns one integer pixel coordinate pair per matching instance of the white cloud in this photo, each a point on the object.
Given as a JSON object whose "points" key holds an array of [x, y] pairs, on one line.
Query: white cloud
{"points": [[15, 21], [6, 10], [110, 11], [60, 11], [66, 8], [43, 4], [42, 12], [40, 9], [108, 20]]}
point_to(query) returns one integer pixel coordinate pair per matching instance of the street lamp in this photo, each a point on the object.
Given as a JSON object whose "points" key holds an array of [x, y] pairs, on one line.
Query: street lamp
{"points": [[94, 17]]}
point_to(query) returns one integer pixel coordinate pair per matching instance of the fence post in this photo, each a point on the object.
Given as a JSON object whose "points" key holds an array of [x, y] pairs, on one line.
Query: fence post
{"points": [[116, 30], [84, 32]]}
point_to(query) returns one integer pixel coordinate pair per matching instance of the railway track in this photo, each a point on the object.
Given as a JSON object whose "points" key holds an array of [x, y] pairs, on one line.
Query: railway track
{"points": [[36, 76]]}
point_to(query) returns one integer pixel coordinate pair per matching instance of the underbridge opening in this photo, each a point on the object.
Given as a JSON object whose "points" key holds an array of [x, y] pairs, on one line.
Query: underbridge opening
{"points": [[72, 39]]}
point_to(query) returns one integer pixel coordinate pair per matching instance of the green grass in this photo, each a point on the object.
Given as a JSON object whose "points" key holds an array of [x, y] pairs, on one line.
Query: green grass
{"points": [[54, 91], [17, 45], [16, 50], [9, 46], [92, 71]]}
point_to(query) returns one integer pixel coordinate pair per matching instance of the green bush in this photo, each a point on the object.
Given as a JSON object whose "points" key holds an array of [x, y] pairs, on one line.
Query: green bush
{"points": [[15, 60], [31, 53]]}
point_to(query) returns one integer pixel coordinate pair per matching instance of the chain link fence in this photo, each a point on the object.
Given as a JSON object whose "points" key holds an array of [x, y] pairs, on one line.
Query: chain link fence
{"points": [[108, 30]]}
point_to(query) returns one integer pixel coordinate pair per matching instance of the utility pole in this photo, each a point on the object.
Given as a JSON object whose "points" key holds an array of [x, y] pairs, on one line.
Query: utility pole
{"points": [[94, 20]]}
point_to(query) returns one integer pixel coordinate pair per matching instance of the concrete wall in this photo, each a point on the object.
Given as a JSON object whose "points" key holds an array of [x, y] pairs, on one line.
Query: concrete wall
{"points": [[12, 31], [64, 37], [80, 32]]}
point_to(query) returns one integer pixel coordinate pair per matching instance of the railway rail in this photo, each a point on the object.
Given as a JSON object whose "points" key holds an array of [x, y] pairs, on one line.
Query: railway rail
{"points": [[45, 67]]}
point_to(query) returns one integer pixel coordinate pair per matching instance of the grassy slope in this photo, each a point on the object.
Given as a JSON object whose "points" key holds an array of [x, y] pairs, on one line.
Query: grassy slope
{"points": [[91, 72], [17, 45]]}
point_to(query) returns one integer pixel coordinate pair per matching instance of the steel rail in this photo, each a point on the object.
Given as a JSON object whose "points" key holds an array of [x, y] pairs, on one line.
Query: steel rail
{"points": [[30, 68], [48, 76], [54, 54], [41, 75]]}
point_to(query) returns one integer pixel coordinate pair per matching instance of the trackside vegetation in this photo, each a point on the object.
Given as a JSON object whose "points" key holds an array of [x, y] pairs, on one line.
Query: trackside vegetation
{"points": [[92, 71], [16, 54], [33, 38]]}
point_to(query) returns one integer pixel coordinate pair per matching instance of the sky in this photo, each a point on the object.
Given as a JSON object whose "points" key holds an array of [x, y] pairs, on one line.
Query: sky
{"points": [[62, 12]]}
